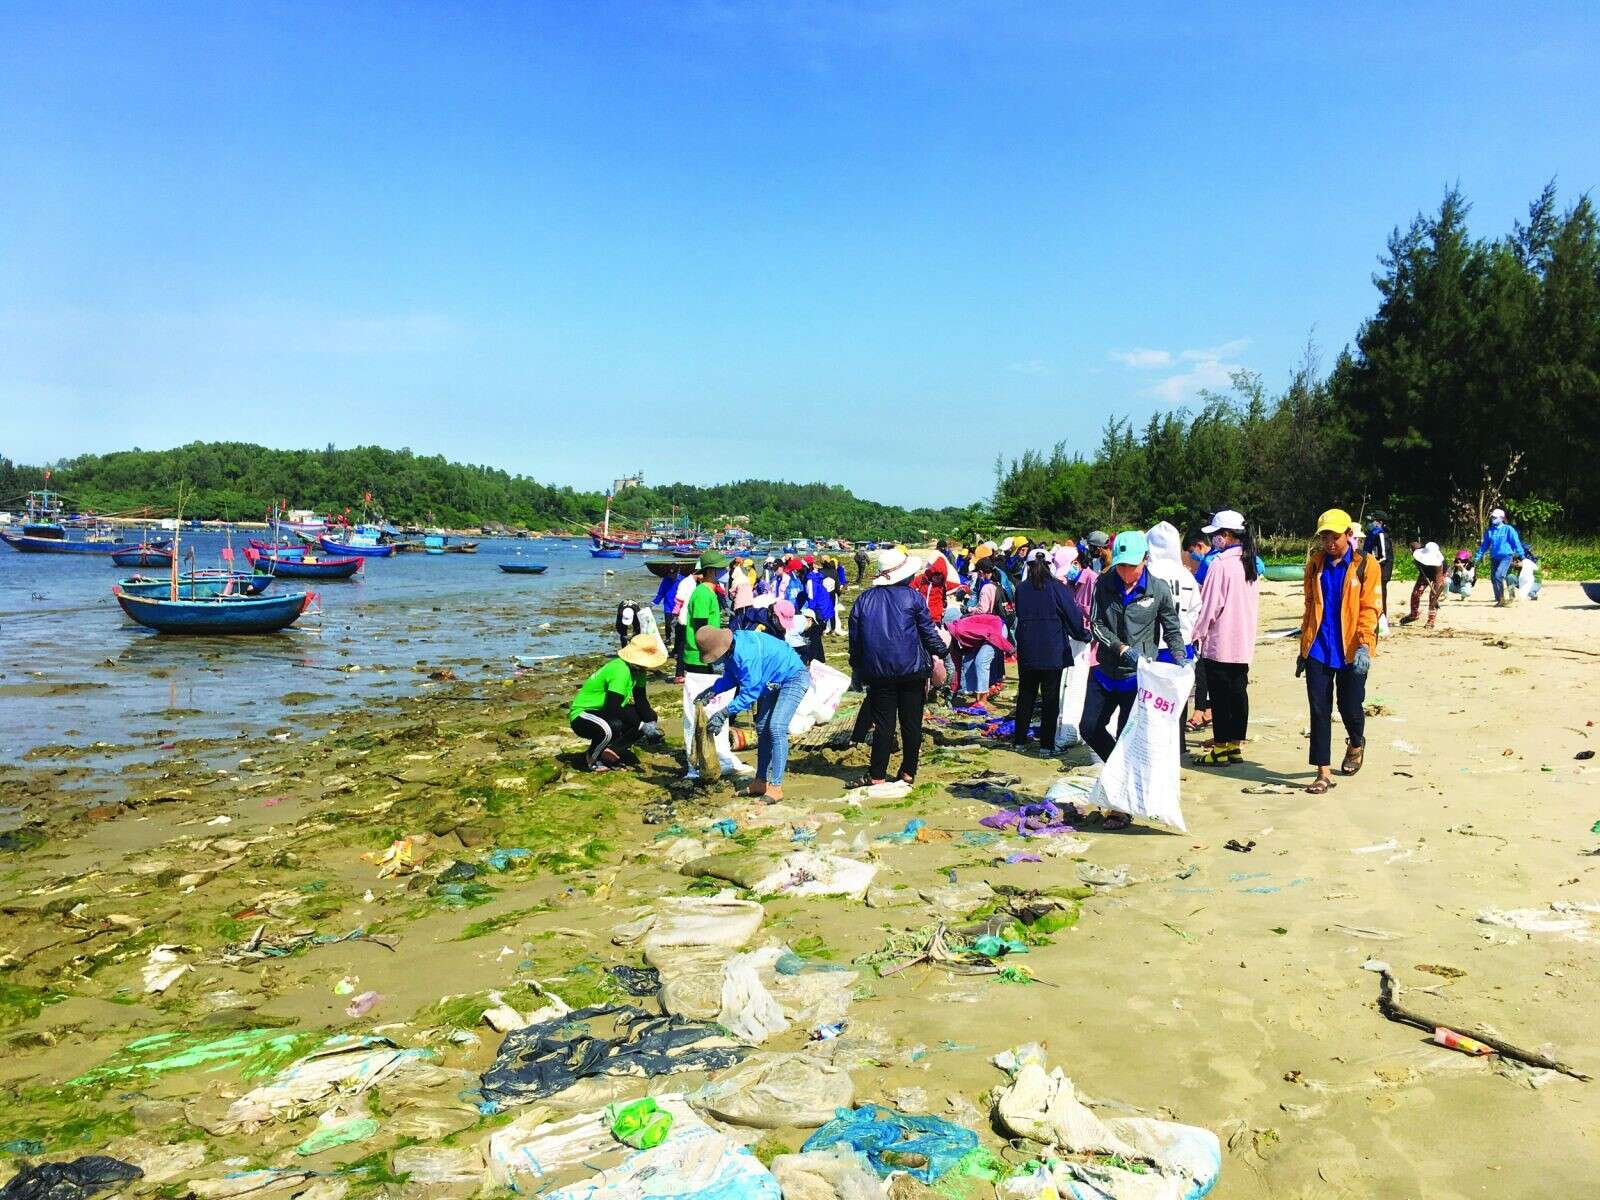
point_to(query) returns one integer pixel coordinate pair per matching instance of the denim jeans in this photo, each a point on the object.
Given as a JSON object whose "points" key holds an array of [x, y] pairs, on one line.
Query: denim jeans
{"points": [[975, 668], [1502, 567], [774, 710]]}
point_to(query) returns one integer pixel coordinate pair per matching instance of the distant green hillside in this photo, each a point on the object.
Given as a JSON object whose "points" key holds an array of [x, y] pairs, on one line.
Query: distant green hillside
{"points": [[238, 481]]}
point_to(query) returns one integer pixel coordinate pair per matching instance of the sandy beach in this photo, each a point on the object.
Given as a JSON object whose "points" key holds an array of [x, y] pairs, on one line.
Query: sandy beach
{"points": [[1218, 988]]}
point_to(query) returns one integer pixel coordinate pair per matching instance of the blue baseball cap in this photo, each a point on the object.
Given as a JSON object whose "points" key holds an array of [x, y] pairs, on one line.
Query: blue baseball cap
{"points": [[1129, 549]]}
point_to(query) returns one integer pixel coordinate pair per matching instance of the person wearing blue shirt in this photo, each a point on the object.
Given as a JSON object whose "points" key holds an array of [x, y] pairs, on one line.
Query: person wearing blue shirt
{"points": [[763, 672], [1501, 544], [1380, 544], [664, 597]]}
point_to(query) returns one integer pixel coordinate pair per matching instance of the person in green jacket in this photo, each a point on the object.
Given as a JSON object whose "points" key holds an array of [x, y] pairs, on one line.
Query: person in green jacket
{"points": [[611, 709]]}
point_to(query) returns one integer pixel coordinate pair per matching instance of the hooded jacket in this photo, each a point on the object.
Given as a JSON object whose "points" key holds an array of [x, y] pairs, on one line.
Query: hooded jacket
{"points": [[1047, 617], [1166, 564], [1140, 619]]}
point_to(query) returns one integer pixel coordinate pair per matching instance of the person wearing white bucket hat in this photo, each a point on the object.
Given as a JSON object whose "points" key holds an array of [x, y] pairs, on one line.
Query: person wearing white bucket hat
{"points": [[1430, 579], [1501, 544], [893, 646]]}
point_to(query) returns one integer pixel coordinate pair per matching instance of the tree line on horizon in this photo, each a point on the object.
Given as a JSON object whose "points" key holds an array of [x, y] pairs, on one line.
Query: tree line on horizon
{"points": [[237, 481], [1475, 383]]}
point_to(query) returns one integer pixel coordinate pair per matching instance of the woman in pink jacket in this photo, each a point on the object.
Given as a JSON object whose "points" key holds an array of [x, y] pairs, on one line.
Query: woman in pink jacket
{"points": [[1225, 634]]}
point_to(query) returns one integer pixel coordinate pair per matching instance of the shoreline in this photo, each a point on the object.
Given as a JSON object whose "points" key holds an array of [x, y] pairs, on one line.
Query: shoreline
{"points": [[1225, 989]]}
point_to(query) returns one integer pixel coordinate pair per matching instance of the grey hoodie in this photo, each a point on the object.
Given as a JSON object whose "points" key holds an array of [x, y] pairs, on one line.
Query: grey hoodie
{"points": [[1141, 623]]}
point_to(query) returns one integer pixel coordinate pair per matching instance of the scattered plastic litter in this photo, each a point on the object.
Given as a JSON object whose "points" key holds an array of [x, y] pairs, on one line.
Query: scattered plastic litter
{"points": [[362, 1004], [540, 1060], [636, 981], [75, 1180], [926, 1148], [348, 1065], [502, 860], [341, 1133], [162, 968], [642, 1124], [1043, 819], [778, 1091], [908, 834], [727, 827]]}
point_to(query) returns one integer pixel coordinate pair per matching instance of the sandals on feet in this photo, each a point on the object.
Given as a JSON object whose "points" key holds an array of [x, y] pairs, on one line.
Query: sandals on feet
{"points": [[1219, 756], [1320, 786], [1353, 757], [1117, 820]]}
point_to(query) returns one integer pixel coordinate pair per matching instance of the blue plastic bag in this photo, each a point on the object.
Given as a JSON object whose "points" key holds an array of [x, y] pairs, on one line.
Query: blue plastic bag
{"points": [[894, 1141]]}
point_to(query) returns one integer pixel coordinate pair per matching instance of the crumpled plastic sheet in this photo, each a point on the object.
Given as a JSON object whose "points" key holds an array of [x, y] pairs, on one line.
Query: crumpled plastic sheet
{"points": [[540, 1060], [75, 1180], [636, 981], [924, 1147], [1042, 819], [837, 1174], [778, 1091], [344, 1065]]}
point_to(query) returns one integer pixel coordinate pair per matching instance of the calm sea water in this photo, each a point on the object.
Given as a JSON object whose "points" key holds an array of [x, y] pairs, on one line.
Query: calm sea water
{"points": [[75, 671]]}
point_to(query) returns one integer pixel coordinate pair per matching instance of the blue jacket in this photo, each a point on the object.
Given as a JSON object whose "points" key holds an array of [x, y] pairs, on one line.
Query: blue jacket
{"points": [[1500, 541], [818, 598], [666, 592], [755, 663], [892, 634], [1046, 618]]}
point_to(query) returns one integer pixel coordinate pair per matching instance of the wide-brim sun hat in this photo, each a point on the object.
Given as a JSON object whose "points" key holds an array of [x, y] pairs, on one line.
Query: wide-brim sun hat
{"points": [[644, 650], [712, 643], [1129, 549], [711, 560], [1429, 555], [1228, 519], [895, 566]]}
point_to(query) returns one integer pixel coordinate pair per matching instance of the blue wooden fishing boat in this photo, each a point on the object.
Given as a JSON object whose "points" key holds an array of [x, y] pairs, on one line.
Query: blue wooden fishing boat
{"points": [[309, 568], [215, 614], [604, 552], [363, 540], [433, 544], [199, 585], [524, 568], [1592, 590], [148, 555]]}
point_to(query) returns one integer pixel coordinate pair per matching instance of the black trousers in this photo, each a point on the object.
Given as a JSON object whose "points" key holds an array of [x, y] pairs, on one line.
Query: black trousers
{"points": [[1031, 682], [606, 731], [1321, 683], [891, 700], [1202, 689], [1099, 703], [1230, 700]]}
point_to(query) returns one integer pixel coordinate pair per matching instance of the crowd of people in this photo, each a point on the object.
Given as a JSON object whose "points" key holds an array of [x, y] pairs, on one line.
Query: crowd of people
{"points": [[1078, 619]]}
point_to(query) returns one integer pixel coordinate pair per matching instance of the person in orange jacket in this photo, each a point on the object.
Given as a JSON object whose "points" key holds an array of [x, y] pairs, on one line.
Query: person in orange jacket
{"points": [[1338, 637]]}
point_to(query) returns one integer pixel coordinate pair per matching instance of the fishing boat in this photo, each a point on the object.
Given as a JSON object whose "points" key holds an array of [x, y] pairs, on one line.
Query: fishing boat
{"points": [[305, 568], [1285, 572], [146, 555], [433, 544], [663, 566], [44, 531], [219, 614], [365, 540], [461, 547], [605, 552], [278, 549], [199, 585], [524, 568], [1592, 590]]}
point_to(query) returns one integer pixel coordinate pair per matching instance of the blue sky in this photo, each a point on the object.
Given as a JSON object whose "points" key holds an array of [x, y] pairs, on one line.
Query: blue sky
{"points": [[869, 243]]}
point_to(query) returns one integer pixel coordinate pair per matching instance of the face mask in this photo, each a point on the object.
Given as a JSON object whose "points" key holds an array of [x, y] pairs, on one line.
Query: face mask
{"points": [[1073, 572], [1496, 520]]}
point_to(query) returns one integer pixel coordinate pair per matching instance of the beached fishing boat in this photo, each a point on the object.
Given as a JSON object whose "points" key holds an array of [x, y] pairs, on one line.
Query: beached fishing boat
{"points": [[198, 585], [143, 556], [1592, 590], [662, 566], [1285, 572], [524, 568], [220, 614], [44, 532], [307, 568]]}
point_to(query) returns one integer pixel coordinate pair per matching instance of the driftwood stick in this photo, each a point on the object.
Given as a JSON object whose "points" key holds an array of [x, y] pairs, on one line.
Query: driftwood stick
{"points": [[1390, 1007]]}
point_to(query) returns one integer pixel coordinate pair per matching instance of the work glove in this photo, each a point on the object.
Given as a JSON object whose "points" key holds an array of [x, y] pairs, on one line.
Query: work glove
{"points": [[1362, 662], [715, 722], [1300, 666], [651, 732], [702, 699]]}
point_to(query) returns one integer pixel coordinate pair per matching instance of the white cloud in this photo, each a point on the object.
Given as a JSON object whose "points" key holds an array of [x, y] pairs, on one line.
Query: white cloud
{"points": [[1211, 369], [1031, 366], [1226, 350], [1142, 358]]}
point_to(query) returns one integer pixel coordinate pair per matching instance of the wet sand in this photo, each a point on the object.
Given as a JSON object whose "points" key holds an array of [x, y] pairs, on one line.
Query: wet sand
{"points": [[1220, 988]]}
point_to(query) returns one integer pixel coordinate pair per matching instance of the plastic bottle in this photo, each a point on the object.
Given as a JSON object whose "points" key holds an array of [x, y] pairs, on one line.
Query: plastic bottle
{"points": [[1460, 1041]]}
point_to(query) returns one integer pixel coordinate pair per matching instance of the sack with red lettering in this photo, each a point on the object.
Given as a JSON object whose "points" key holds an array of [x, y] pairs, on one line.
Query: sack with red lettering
{"points": [[1141, 778]]}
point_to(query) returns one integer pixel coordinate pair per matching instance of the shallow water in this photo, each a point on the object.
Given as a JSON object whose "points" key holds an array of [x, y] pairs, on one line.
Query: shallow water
{"points": [[74, 671]]}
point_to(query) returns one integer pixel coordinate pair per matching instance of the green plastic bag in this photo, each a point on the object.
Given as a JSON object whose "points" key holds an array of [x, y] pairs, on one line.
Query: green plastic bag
{"points": [[639, 1123]]}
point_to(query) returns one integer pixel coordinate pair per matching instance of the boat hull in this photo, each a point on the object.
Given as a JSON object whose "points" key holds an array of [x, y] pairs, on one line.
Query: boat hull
{"points": [[597, 552], [145, 557], [524, 568], [1592, 590], [296, 568], [382, 550], [663, 567], [201, 587], [1285, 572], [233, 615], [31, 544]]}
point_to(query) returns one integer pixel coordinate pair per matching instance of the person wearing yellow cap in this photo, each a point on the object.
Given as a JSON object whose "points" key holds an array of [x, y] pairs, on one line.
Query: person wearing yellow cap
{"points": [[611, 708], [1338, 637]]}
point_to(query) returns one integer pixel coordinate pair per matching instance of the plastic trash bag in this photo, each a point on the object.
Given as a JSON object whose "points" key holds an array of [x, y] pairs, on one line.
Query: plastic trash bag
{"points": [[836, 1174], [1045, 1107], [810, 873], [1141, 776], [439, 1164], [348, 1065], [923, 1147], [699, 1166], [720, 920], [821, 702], [778, 1091], [748, 1010], [75, 1180], [542, 1059]]}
